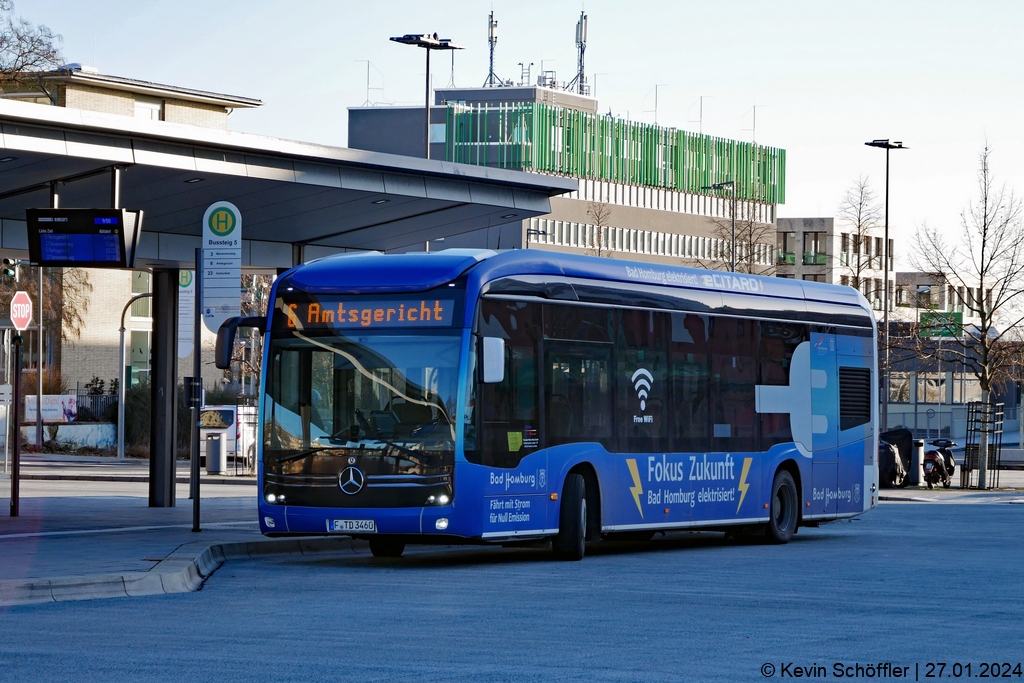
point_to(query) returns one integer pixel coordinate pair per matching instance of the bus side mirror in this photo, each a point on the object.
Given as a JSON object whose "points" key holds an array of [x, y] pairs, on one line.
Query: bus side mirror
{"points": [[226, 337], [494, 360]]}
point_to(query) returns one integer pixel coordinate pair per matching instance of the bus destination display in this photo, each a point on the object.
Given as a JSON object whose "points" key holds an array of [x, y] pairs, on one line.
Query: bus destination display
{"points": [[367, 314], [82, 237]]}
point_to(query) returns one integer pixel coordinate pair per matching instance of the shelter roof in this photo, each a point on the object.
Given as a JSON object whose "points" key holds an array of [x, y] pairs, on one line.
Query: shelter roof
{"points": [[288, 192]]}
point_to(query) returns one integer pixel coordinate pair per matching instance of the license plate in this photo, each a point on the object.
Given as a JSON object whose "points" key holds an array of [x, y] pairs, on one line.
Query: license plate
{"points": [[928, 466], [352, 526]]}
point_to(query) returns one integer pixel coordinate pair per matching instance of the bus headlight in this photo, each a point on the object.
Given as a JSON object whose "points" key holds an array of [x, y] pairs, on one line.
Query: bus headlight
{"points": [[271, 498], [443, 499], [431, 499]]}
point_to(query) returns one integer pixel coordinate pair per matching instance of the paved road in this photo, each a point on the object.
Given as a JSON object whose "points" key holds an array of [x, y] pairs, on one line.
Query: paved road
{"points": [[688, 608]]}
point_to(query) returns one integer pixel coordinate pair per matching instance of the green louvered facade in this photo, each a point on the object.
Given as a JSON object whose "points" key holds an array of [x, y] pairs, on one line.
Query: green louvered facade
{"points": [[546, 139]]}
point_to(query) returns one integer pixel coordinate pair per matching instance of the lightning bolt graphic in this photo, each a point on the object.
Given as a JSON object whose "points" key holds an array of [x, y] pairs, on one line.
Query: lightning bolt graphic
{"points": [[636, 489], [743, 485]]}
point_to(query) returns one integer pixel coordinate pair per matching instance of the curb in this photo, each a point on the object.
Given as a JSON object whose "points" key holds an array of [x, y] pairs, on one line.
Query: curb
{"points": [[233, 481], [182, 571]]}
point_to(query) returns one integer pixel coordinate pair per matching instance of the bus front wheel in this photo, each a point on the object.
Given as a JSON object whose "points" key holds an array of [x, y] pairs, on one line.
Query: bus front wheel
{"points": [[784, 509], [382, 546], [570, 543]]}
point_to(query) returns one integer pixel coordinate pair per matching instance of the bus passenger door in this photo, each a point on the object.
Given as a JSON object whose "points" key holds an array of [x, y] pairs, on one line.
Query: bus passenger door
{"points": [[824, 426]]}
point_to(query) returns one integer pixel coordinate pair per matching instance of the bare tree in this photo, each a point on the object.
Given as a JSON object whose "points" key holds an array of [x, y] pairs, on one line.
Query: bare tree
{"points": [[987, 263], [599, 213], [65, 296], [752, 237], [248, 351], [26, 49], [860, 211]]}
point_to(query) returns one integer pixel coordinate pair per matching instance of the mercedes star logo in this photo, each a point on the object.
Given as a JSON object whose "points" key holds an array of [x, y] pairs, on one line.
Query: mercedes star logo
{"points": [[351, 480]]}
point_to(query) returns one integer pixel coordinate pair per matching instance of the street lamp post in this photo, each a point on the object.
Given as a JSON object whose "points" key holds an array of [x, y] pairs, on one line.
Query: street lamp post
{"points": [[534, 232], [123, 377], [731, 184], [886, 256], [428, 42]]}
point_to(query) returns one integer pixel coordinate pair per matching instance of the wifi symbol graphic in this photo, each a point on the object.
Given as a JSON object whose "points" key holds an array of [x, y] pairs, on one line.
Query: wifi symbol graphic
{"points": [[642, 383]]}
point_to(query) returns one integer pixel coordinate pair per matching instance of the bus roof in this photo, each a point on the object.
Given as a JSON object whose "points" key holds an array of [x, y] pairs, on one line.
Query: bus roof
{"points": [[375, 272]]}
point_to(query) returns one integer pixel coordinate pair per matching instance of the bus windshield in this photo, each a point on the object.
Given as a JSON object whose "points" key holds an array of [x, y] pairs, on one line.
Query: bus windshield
{"points": [[326, 391]]}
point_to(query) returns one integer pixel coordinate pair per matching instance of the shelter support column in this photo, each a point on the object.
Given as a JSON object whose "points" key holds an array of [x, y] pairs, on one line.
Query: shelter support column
{"points": [[164, 373]]}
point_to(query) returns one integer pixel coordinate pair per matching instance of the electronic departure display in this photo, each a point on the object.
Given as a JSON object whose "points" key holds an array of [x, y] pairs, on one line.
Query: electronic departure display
{"points": [[86, 238]]}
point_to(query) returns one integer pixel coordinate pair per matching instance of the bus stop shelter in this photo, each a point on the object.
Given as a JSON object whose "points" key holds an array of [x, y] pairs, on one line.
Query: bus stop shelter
{"points": [[298, 200]]}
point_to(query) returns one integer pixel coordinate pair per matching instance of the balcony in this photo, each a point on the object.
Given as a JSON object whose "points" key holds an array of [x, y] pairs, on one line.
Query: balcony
{"points": [[785, 258], [814, 258]]}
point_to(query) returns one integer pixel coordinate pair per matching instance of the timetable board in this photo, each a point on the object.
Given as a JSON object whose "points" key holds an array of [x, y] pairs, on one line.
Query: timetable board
{"points": [[83, 238]]}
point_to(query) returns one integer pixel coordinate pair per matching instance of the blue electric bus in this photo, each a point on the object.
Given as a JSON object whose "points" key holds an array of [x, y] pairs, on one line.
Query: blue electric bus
{"points": [[471, 396]]}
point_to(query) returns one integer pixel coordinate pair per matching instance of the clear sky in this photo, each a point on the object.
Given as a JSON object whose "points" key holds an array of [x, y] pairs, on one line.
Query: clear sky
{"points": [[941, 76]]}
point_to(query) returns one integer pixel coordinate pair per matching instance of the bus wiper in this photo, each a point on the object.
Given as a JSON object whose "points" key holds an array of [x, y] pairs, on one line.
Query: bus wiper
{"points": [[305, 454]]}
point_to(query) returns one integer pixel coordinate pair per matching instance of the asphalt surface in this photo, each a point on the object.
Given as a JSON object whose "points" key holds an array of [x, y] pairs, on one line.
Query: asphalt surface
{"points": [[909, 583]]}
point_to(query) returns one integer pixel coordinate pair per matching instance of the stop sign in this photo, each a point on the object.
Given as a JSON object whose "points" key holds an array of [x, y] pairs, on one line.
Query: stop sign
{"points": [[21, 311]]}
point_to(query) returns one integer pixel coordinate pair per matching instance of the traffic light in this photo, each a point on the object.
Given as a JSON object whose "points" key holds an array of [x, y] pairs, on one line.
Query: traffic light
{"points": [[11, 269]]}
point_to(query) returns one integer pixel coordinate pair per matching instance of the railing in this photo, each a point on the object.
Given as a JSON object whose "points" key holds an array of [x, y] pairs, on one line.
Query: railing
{"points": [[786, 258], [929, 420], [814, 258], [96, 407]]}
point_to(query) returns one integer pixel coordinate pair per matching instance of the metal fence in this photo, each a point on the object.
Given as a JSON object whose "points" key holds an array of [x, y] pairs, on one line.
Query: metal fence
{"points": [[988, 418], [97, 408]]}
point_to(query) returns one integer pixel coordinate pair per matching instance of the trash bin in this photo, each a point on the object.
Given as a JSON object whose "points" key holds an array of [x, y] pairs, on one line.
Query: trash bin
{"points": [[216, 454]]}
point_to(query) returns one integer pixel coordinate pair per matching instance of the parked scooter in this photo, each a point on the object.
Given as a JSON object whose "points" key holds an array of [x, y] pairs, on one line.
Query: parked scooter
{"points": [[939, 464]]}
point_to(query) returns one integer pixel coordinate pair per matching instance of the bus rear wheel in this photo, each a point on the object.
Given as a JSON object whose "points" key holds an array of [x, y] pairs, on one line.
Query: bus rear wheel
{"points": [[382, 546], [570, 543], [784, 509]]}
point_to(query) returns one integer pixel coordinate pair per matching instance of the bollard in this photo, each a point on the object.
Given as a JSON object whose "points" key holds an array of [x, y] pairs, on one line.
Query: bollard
{"points": [[915, 477]]}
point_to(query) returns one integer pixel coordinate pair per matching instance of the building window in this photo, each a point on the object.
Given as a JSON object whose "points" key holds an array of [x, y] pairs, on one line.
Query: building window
{"points": [[814, 278], [967, 389], [931, 387], [141, 285], [814, 249], [140, 355], [149, 108], [899, 387], [786, 248]]}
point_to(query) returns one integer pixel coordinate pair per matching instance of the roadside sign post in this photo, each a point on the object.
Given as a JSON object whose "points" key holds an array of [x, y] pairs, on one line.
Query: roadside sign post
{"points": [[217, 297], [14, 428], [21, 317], [196, 390]]}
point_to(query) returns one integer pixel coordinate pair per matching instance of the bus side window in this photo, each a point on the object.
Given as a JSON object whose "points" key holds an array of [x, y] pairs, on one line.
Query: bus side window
{"points": [[733, 344], [578, 378], [577, 392], [778, 342], [690, 417], [509, 408], [641, 360]]}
